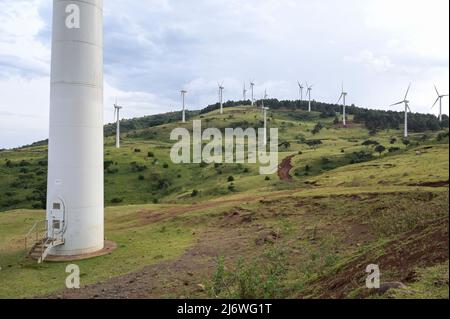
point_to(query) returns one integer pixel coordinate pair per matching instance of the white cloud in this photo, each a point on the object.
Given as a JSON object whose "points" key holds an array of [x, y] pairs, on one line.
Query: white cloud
{"points": [[20, 51], [154, 48], [367, 58]]}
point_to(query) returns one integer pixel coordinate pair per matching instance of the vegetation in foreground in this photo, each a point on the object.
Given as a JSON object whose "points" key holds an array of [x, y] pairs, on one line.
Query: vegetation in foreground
{"points": [[189, 234]]}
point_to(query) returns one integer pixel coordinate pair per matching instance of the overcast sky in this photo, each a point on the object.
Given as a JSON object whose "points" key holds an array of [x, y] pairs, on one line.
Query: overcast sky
{"points": [[154, 48]]}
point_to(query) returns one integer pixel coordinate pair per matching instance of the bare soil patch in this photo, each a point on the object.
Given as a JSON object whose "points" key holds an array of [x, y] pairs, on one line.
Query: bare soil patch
{"points": [[284, 169]]}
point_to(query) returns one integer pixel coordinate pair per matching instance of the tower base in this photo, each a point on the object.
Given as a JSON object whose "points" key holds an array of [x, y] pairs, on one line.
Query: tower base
{"points": [[108, 248]]}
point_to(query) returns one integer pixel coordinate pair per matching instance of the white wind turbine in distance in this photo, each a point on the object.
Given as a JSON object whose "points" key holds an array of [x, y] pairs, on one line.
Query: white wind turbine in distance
{"points": [[406, 102], [183, 112], [439, 99], [117, 109], [221, 88], [244, 93], [252, 87], [343, 97], [264, 98], [264, 109], [309, 88], [300, 87]]}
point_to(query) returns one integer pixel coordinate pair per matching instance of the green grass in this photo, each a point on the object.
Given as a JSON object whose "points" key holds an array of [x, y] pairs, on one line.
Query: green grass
{"points": [[316, 214], [432, 283], [155, 179], [137, 247]]}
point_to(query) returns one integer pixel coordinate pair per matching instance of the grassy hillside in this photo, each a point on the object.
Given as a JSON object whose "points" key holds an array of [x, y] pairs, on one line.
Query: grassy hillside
{"points": [[197, 230]]}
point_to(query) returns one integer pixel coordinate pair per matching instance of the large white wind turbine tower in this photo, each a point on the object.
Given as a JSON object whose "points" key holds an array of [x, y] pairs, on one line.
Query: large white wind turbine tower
{"points": [[74, 213], [439, 98], [183, 111], [343, 98], [309, 88], [117, 109], [300, 87], [406, 102], [221, 88], [252, 87]]}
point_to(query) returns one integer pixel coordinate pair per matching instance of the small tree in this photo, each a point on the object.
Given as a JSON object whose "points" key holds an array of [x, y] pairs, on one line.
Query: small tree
{"points": [[314, 143], [317, 128], [380, 149]]}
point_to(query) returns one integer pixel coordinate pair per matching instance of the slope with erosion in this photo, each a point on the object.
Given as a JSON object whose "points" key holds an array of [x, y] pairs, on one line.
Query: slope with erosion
{"points": [[308, 238], [307, 242]]}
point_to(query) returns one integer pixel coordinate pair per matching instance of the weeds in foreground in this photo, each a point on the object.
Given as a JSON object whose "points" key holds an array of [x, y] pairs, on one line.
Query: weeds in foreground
{"points": [[259, 278]]}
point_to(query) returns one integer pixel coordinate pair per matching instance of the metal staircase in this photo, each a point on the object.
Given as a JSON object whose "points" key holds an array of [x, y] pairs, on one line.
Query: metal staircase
{"points": [[41, 244]]}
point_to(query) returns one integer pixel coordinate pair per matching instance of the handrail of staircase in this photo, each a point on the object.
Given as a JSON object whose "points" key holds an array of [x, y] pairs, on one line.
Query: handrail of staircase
{"points": [[35, 231]]}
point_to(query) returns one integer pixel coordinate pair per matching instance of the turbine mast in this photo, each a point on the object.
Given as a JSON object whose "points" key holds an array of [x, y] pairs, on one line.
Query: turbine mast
{"points": [[183, 98]]}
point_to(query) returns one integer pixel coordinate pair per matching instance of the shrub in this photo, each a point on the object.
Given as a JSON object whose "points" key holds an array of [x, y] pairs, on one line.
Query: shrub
{"points": [[116, 200], [166, 165], [406, 142], [267, 178], [137, 167], [317, 128], [194, 193], [230, 179], [393, 149], [107, 164], [442, 136], [137, 150], [151, 154], [380, 149], [313, 143], [112, 170], [43, 163], [141, 177], [24, 163], [370, 143], [9, 164]]}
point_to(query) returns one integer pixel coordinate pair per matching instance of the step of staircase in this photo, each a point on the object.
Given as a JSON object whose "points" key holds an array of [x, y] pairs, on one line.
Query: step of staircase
{"points": [[42, 248]]}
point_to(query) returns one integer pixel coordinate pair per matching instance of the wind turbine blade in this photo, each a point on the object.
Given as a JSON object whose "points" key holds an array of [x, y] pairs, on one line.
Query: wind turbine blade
{"points": [[407, 91], [437, 100], [339, 99], [398, 103], [436, 90]]}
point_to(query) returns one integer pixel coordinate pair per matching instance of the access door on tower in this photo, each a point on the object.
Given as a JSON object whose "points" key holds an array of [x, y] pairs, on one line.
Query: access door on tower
{"points": [[57, 217]]}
